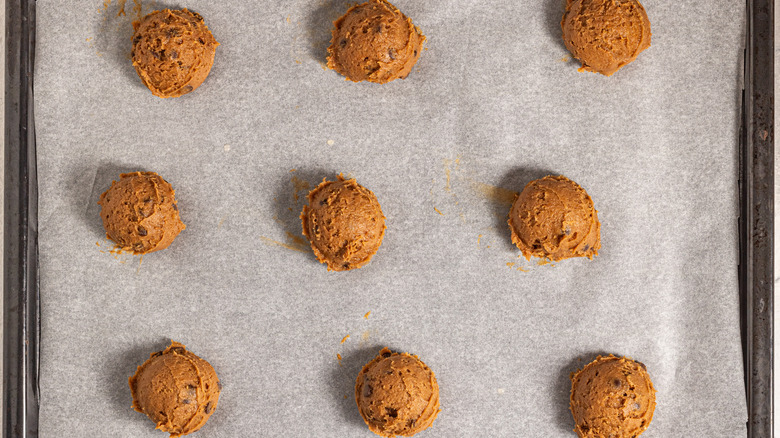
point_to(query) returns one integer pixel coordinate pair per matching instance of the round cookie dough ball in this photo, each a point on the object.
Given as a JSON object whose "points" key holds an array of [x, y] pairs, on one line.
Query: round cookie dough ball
{"points": [[612, 397], [605, 35], [553, 218], [344, 224], [173, 51], [176, 389], [139, 212], [374, 42], [397, 394]]}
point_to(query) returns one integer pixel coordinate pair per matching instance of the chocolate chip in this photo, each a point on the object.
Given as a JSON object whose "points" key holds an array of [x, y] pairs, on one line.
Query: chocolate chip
{"points": [[200, 40], [136, 39], [208, 408], [174, 32], [415, 53], [586, 247], [219, 385], [567, 231], [186, 89], [391, 412], [391, 53], [616, 383], [157, 354], [387, 354], [175, 207], [174, 54], [141, 231], [138, 246], [186, 401], [343, 43], [178, 350], [367, 390]]}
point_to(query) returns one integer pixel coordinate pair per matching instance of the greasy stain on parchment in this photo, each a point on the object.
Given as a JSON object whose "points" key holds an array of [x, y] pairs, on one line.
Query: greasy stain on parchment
{"points": [[364, 337], [120, 255], [114, 30], [456, 192], [294, 240], [292, 246], [120, 8]]}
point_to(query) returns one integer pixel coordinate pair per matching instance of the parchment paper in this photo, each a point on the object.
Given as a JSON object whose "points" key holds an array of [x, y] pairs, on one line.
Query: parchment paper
{"points": [[493, 103]]}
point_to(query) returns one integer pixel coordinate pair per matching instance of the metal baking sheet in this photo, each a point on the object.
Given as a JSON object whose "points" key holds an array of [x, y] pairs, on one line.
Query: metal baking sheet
{"points": [[493, 103]]}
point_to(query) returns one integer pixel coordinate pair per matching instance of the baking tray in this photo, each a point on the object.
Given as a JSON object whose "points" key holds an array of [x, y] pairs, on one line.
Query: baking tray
{"points": [[21, 299]]}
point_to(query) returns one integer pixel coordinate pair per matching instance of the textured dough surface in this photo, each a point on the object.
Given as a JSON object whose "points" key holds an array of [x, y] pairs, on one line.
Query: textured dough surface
{"points": [[176, 389], [374, 42], [554, 218], [140, 213], [397, 394], [173, 51], [344, 223], [605, 35], [612, 397]]}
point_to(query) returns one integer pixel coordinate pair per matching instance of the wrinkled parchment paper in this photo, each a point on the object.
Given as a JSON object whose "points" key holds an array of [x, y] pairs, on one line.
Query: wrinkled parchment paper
{"points": [[494, 102]]}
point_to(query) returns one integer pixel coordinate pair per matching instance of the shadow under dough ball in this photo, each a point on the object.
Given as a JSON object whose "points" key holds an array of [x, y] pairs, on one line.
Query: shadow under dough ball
{"points": [[139, 212], [553, 218], [612, 397], [605, 35], [176, 389], [173, 51], [344, 223], [374, 42], [397, 394]]}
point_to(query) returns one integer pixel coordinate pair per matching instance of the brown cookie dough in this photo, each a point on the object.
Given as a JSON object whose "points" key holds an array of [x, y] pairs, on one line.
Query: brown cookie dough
{"points": [[344, 224], [553, 218], [605, 35], [397, 394], [612, 397], [176, 389], [173, 51], [139, 212], [374, 42]]}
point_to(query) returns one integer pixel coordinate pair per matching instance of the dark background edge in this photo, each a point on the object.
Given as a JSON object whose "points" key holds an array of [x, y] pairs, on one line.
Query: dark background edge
{"points": [[21, 322], [21, 299], [756, 218]]}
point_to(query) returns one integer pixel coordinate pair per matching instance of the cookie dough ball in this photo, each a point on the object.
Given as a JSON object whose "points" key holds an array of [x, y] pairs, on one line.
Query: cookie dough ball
{"points": [[374, 42], [605, 35], [344, 224], [397, 394], [612, 397], [139, 212], [176, 389], [173, 51], [553, 218]]}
